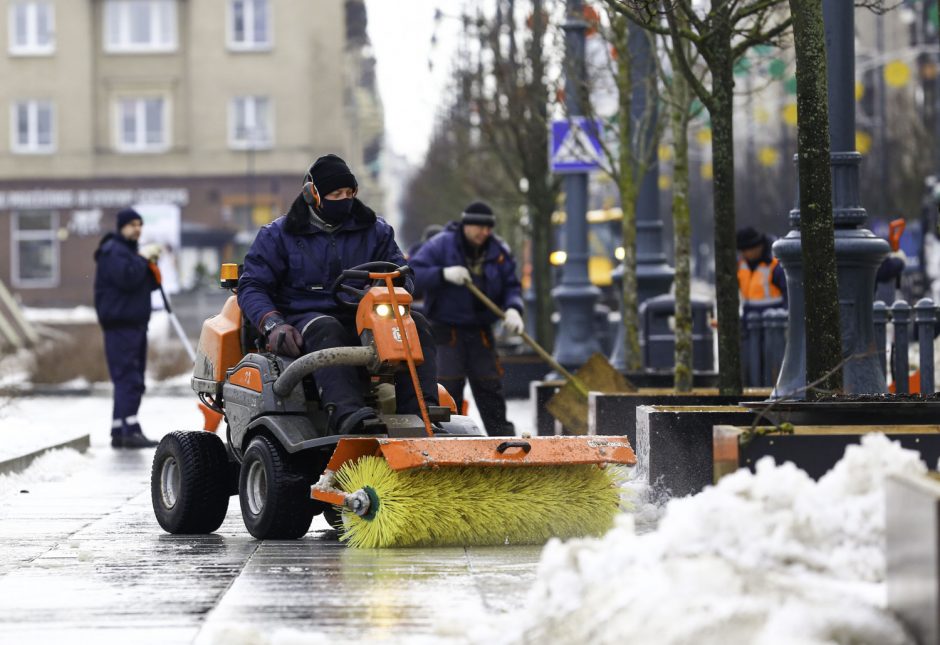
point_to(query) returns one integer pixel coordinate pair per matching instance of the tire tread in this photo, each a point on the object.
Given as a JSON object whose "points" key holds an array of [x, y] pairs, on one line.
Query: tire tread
{"points": [[204, 491]]}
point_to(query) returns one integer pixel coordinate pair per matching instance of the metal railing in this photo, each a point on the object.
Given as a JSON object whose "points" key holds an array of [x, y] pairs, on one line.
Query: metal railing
{"points": [[765, 334]]}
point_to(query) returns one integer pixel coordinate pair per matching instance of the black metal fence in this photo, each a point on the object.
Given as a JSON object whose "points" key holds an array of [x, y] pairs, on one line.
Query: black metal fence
{"points": [[765, 336]]}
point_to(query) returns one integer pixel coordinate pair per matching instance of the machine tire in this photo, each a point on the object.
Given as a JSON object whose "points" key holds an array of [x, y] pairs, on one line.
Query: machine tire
{"points": [[333, 518], [189, 482], [274, 494]]}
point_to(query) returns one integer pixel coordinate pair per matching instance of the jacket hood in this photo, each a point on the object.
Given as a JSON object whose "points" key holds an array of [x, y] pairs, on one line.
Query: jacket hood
{"points": [[116, 237], [297, 219]]}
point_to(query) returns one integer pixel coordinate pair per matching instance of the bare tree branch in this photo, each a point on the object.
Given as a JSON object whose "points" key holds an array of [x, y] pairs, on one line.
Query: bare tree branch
{"points": [[878, 7]]}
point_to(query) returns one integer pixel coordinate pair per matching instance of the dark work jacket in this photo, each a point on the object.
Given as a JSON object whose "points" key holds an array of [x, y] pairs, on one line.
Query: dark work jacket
{"points": [[452, 304], [123, 283], [291, 265]]}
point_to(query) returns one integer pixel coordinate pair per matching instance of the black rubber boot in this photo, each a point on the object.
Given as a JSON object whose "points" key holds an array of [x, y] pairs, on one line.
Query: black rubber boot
{"points": [[133, 440], [358, 422]]}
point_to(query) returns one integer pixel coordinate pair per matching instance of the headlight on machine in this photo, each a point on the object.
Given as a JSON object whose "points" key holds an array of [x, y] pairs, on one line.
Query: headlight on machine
{"points": [[385, 311]]}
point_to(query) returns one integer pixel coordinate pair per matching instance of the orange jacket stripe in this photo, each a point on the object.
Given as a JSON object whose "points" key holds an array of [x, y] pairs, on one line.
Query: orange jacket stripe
{"points": [[757, 286]]}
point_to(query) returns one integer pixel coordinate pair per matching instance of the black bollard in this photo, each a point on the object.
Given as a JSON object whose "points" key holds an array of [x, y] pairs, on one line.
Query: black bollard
{"points": [[925, 317], [880, 318], [901, 315]]}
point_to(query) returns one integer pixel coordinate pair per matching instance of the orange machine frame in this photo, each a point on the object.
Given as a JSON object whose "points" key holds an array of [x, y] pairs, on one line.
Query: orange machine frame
{"points": [[220, 340], [385, 329]]}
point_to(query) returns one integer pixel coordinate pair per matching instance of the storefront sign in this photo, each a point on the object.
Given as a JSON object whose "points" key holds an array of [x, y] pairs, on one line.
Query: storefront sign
{"points": [[91, 198]]}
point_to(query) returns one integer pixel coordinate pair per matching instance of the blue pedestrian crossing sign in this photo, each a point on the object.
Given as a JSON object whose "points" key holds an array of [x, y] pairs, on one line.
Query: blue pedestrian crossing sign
{"points": [[575, 146]]}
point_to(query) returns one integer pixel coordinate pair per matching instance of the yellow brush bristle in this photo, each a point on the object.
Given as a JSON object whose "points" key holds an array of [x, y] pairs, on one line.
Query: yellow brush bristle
{"points": [[479, 506]]}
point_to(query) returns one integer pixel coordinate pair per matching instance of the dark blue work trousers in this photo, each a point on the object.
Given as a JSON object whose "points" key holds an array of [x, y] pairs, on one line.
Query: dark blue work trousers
{"points": [[343, 387], [126, 351], [469, 353]]}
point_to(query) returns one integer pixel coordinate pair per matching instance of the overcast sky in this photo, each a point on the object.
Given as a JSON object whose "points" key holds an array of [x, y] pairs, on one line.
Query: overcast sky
{"points": [[401, 31]]}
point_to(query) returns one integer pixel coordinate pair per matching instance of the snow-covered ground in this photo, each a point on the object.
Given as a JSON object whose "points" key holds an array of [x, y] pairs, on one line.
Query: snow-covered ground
{"points": [[771, 558], [766, 558], [30, 423]]}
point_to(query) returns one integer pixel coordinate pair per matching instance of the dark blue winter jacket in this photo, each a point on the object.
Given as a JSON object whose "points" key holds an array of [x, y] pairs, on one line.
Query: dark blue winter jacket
{"points": [[451, 304], [292, 263], [123, 283]]}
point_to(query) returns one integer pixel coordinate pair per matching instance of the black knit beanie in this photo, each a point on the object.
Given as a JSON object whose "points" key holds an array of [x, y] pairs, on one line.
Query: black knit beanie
{"points": [[330, 173], [748, 238], [478, 213], [126, 216]]}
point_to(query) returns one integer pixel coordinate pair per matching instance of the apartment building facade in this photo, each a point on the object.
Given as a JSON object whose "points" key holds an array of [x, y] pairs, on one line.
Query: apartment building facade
{"points": [[203, 113]]}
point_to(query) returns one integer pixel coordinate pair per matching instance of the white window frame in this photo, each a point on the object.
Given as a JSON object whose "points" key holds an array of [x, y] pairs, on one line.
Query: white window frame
{"points": [[120, 10], [140, 144], [251, 106], [17, 236], [32, 145], [250, 44], [31, 47]]}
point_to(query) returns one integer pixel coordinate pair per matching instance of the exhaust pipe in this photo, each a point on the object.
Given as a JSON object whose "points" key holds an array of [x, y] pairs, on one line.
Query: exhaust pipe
{"points": [[296, 371]]}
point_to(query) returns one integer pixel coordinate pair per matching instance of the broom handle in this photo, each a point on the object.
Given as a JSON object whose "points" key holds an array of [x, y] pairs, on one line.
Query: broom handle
{"points": [[555, 365]]}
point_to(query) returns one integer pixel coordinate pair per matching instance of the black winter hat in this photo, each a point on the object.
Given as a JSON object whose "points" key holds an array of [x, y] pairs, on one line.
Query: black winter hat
{"points": [[126, 216], [748, 238], [478, 213], [330, 173]]}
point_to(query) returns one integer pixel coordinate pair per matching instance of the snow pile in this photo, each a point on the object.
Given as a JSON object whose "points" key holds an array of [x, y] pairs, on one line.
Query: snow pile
{"points": [[53, 466], [238, 634], [82, 314], [767, 558]]}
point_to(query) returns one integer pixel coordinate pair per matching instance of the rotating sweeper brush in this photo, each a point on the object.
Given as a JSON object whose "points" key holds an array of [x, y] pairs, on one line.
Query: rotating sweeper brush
{"points": [[473, 490], [433, 480]]}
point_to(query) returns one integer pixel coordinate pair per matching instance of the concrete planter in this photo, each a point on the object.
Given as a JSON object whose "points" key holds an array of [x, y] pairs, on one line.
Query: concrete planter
{"points": [[815, 449], [913, 557], [674, 444], [615, 414]]}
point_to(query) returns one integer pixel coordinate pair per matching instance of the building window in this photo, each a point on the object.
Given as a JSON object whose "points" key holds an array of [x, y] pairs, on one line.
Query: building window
{"points": [[35, 249], [250, 123], [141, 125], [32, 127], [32, 28], [140, 25], [249, 25]]}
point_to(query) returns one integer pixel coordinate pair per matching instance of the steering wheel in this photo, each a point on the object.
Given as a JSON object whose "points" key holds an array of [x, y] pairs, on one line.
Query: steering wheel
{"points": [[361, 272]]}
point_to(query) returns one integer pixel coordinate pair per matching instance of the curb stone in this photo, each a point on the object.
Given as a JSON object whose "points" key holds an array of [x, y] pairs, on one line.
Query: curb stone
{"points": [[17, 464]]}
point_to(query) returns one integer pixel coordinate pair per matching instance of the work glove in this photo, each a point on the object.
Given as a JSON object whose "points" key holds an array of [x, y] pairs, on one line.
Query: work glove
{"points": [[457, 274], [285, 340], [513, 322], [155, 270], [151, 252]]}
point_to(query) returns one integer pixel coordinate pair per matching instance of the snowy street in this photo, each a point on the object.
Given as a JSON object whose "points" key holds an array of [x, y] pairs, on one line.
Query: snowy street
{"points": [[768, 557], [84, 560]]}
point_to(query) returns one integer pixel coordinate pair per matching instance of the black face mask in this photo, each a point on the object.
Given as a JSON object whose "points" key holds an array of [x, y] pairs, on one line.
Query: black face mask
{"points": [[335, 211]]}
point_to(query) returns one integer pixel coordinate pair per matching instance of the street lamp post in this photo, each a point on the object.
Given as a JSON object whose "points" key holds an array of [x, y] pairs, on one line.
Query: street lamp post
{"points": [[858, 252], [575, 295]]}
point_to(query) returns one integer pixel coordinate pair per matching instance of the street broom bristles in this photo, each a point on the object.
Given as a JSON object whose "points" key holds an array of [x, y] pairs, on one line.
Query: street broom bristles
{"points": [[478, 505]]}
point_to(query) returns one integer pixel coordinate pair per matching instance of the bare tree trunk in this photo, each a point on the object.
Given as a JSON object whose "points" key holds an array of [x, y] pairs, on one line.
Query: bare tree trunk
{"points": [[820, 294], [541, 207], [726, 261], [627, 184], [542, 189], [682, 231]]}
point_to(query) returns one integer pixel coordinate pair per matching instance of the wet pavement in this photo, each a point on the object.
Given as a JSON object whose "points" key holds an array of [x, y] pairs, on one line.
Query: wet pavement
{"points": [[83, 559]]}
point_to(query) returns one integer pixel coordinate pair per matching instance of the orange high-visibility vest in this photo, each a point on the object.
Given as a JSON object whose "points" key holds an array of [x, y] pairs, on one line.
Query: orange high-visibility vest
{"points": [[757, 286]]}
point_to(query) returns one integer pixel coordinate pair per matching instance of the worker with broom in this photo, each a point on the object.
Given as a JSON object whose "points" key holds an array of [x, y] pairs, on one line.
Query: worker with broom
{"points": [[124, 278], [467, 252], [285, 289]]}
